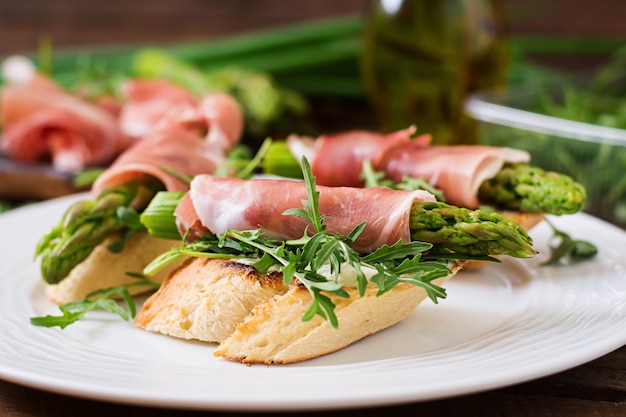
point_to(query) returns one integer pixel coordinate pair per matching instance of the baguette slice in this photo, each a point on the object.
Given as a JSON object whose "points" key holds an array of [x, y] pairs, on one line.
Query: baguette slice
{"points": [[276, 334], [206, 299], [255, 318], [524, 219], [104, 269]]}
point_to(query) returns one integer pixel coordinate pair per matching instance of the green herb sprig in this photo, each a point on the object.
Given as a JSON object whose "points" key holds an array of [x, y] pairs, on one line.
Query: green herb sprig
{"points": [[568, 250], [374, 178], [104, 299]]}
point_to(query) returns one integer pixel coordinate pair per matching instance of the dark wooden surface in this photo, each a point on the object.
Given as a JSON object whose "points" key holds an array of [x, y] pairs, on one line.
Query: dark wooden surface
{"points": [[81, 22], [597, 388]]}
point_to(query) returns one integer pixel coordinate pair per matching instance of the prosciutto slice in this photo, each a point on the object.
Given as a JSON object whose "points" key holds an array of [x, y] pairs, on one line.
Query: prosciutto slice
{"points": [[224, 119], [458, 171], [41, 122], [217, 204], [151, 105], [337, 160], [187, 139], [169, 155]]}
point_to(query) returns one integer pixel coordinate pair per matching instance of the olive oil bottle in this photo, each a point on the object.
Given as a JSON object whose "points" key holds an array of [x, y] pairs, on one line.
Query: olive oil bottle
{"points": [[421, 58]]}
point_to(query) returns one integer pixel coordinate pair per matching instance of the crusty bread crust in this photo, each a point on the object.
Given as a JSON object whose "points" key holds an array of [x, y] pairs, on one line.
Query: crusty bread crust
{"points": [[524, 219], [104, 269], [276, 334], [205, 299], [255, 318]]}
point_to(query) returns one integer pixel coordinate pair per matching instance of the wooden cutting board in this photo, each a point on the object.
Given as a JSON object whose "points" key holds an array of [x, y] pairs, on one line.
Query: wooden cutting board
{"points": [[25, 182]]}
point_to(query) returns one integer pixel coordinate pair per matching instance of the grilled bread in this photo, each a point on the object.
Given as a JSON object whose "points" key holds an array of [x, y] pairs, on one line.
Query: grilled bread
{"points": [[205, 299], [526, 220], [255, 318]]}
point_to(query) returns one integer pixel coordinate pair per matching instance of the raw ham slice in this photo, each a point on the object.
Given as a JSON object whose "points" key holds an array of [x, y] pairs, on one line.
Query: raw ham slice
{"points": [[458, 171], [337, 160], [190, 139], [169, 155], [151, 105], [41, 121], [224, 119], [222, 203]]}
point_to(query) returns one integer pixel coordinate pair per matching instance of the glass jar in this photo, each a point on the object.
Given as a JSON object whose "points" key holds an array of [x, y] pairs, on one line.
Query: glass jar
{"points": [[421, 59]]}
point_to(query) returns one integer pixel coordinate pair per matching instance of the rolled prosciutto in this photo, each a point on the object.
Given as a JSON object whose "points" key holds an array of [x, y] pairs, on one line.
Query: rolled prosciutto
{"points": [[337, 160], [42, 122], [189, 140], [170, 155], [151, 105], [217, 204], [458, 171]]}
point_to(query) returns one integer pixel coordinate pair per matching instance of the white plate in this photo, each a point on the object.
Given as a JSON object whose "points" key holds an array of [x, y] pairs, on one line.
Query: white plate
{"points": [[503, 325]]}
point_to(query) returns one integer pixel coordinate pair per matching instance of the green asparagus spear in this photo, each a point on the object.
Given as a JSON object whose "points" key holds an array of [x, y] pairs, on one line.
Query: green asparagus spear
{"points": [[527, 188], [469, 232], [87, 223], [517, 187]]}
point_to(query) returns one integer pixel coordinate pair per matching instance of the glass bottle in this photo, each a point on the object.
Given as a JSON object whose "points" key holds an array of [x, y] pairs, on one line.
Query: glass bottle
{"points": [[421, 59]]}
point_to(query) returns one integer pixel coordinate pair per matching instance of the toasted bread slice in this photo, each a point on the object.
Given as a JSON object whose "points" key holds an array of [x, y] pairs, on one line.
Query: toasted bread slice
{"points": [[206, 299], [255, 318], [104, 269], [524, 219], [276, 334]]}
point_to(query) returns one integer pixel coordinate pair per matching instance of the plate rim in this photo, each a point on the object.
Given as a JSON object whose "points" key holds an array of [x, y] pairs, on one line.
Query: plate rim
{"points": [[16, 374]]}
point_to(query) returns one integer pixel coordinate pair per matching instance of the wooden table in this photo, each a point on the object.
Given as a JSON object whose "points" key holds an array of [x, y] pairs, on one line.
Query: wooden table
{"points": [[597, 388]]}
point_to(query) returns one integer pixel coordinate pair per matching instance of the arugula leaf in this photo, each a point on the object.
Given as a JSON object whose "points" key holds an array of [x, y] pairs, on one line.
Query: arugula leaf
{"points": [[374, 178], [322, 306], [568, 250], [87, 177], [397, 251], [104, 299], [240, 163], [311, 206], [129, 217]]}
